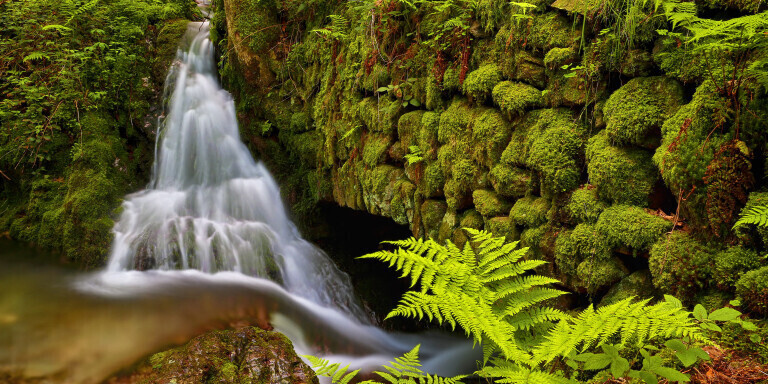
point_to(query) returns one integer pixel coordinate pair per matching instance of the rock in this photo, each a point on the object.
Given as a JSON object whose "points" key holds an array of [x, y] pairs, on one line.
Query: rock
{"points": [[244, 355]]}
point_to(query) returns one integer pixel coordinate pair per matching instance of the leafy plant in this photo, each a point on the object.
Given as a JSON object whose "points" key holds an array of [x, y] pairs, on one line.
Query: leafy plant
{"points": [[415, 155], [488, 289]]}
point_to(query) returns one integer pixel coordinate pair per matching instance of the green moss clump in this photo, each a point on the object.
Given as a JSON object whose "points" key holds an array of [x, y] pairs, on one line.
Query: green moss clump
{"points": [[480, 82], [515, 98], [433, 94], [409, 128], [489, 204], [433, 181], [375, 149], [530, 211], [572, 247], [622, 175], [545, 31], [680, 265], [584, 205], [531, 237], [753, 288], [639, 107], [732, 263], [427, 140], [307, 147], [300, 122], [402, 205], [556, 57], [639, 284], [490, 136], [432, 213], [502, 226], [472, 219], [529, 69], [379, 115], [451, 80], [510, 181], [599, 274], [632, 227], [455, 121]]}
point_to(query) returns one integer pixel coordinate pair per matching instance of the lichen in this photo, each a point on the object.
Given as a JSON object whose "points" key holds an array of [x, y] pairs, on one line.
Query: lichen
{"points": [[621, 175]]}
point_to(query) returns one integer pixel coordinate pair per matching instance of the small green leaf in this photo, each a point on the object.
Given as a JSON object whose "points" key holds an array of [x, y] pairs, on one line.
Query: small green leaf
{"points": [[724, 314], [676, 345], [619, 367], [597, 361], [735, 303], [671, 374], [415, 103], [382, 89], [755, 338], [648, 377], [673, 300], [748, 326], [699, 312]]}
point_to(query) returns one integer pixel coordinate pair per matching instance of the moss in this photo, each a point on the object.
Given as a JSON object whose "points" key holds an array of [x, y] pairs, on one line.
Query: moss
{"points": [[756, 236], [432, 213], [631, 227], [432, 186], [433, 98], [732, 263], [621, 175], [639, 107], [379, 77], [472, 219], [545, 31], [378, 186], [300, 122], [480, 82], [752, 287], [402, 205], [379, 115], [530, 211], [677, 61], [595, 275], [680, 265], [375, 149], [167, 43], [637, 284], [529, 69], [554, 154], [451, 80], [307, 147], [531, 237], [572, 247], [502, 226], [455, 121], [515, 98], [557, 57], [510, 181], [490, 135], [584, 205], [409, 128], [489, 204], [690, 140]]}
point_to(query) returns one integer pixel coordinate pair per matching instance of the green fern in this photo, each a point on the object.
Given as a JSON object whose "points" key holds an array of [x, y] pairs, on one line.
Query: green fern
{"points": [[757, 215], [404, 370]]}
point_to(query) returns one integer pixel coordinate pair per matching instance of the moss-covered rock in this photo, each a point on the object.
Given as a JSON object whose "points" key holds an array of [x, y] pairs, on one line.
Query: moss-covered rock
{"points": [[622, 175], [490, 136], [530, 211], [510, 181], [379, 114], [753, 288], [245, 355], [515, 98], [637, 284], [584, 205], [631, 227], [557, 57], [489, 204], [545, 31], [480, 82], [639, 107], [680, 265], [502, 226], [595, 274], [584, 242], [732, 263], [432, 213], [375, 149]]}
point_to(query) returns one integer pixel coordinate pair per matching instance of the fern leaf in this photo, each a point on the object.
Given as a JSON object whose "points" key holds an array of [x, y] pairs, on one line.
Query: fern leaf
{"points": [[757, 215]]}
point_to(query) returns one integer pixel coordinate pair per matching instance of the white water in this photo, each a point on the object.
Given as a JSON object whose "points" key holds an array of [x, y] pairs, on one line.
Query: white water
{"points": [[213, 217]]}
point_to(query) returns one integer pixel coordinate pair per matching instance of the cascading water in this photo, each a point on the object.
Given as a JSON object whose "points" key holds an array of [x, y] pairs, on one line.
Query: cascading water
{"points": [[210, 206], [207, 244]]}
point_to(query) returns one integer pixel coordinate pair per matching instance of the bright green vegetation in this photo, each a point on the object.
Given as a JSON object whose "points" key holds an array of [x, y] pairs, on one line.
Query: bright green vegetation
{"points": [[487, 289], [82, 83]]}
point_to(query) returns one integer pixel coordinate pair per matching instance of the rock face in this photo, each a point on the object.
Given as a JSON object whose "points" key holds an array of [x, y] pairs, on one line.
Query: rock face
{"points": [[579, 144], [245, 355]]}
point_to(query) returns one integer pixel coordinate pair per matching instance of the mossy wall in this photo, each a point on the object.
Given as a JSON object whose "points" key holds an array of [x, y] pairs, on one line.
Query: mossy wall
{"points": [[588, 148]]}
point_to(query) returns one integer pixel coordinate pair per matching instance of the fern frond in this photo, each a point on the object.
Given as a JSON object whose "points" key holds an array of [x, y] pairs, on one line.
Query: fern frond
{"points": [[505, 372], [520, 284], [757, 215], [335, 371], [527, 320]]}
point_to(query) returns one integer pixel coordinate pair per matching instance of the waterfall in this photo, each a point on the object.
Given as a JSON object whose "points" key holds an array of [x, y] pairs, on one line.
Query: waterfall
{"points": [[209, 205]]}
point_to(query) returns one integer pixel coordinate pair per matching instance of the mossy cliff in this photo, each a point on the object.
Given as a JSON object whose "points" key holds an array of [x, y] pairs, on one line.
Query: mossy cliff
{"points": [[79, 116], [586, 136]]}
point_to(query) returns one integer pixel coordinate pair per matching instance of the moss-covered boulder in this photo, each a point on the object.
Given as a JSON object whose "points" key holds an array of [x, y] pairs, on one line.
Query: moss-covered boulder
{"points": [[584, 206], [245, 355], [584, 242], [753, 288], [680, 265], [639, 108], [631, 227], [530, 211], [510, 181], [502, 226], [732, 263], [621, 175], [480, 82], [432, 213], [515, 98], [490, 204], [637, 284], [595, 275]]}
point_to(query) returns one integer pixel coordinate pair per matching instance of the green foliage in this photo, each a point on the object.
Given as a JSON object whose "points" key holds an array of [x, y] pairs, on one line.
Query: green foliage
{"points": [[756, 215], [404, 370], [415, 155]]}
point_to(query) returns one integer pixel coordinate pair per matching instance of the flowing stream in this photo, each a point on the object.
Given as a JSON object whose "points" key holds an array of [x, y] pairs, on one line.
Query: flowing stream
{"points": [[207, 244]]}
